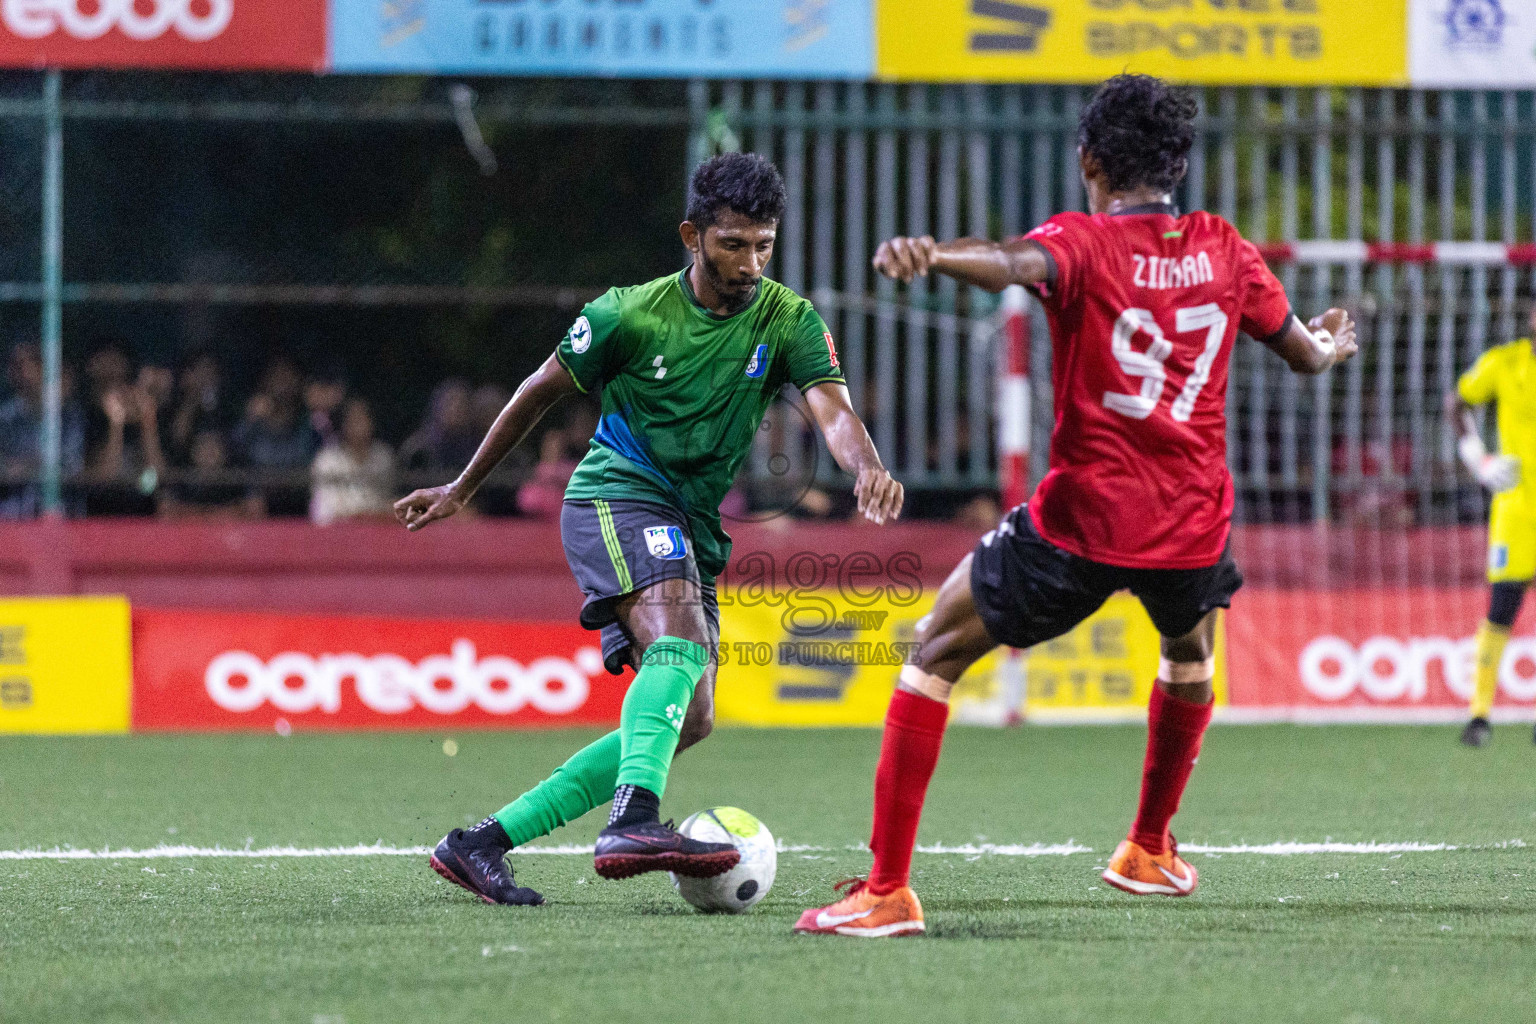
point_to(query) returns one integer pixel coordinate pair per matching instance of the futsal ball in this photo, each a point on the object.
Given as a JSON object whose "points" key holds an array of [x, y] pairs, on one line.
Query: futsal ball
{"points": [[741, 887]]}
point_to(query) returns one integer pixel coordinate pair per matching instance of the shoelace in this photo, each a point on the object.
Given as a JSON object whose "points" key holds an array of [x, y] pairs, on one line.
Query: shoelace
{"points": [[853, 885]]}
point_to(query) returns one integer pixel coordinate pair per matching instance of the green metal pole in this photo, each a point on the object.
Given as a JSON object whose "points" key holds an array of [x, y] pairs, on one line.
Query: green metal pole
{"points": [[53, 287]]}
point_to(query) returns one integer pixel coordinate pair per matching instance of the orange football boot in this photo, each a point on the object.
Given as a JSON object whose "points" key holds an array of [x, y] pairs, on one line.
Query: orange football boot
{"points": [[1137, 871], [862, 913]]}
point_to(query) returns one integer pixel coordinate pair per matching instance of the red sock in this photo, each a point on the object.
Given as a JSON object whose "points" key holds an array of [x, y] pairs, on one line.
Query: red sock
{"points": [[909, 750], [1174, 729]]}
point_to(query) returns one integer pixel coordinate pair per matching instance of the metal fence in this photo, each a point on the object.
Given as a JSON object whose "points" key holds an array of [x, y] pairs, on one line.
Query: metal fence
{"points": [[1285, 165], [865, 161]]}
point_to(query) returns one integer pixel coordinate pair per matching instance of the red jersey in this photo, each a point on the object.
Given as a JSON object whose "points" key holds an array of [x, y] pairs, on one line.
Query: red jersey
{"points": [[1144, 309]]}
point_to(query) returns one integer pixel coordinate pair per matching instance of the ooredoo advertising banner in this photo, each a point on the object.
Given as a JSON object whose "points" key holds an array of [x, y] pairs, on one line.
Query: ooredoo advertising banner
{"points": [[671, 38], [1262, 42], [231, 670], [269, 35], [1371, 654], [1472, 43]]}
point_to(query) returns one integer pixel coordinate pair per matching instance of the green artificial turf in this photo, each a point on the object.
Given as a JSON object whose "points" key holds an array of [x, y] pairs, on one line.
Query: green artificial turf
{"points": [[1415, 936]]}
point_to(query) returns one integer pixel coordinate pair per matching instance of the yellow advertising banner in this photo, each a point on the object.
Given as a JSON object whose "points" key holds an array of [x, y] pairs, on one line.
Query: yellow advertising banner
{"points": [[826, 658], [1214, 42], [64, 665]]}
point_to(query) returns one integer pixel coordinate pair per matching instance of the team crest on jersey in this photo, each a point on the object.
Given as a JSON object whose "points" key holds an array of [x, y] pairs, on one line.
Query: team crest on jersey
{"points": [[1498, 557], [666, 542], [758, 364], [581, 335]]}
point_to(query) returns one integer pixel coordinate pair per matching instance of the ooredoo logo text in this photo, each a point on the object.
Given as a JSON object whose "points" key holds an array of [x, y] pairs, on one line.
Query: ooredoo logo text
{"points": [[1386, 668], [197, 21], [294, 682]]}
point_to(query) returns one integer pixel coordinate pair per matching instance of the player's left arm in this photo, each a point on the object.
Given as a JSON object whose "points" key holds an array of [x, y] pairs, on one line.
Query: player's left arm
{"points": [[1479, 386], [879, 494], [1318, 345]]}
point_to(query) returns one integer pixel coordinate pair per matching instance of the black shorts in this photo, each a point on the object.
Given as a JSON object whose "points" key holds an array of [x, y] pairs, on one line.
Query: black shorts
{"points": [[1028, 591], [615, 548]]}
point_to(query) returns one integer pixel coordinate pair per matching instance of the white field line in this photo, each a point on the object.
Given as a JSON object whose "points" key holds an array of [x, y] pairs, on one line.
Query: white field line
{"points": [[1286, 849]]}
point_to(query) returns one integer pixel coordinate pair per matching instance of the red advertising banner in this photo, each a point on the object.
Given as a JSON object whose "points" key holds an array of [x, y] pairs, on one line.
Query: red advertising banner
{"points": [[214, 35], [1368, 654], [236, 670]]}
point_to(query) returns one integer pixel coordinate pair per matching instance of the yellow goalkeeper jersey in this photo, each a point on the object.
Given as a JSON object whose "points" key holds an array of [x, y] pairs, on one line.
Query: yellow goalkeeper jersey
{"points": [[1506, 375]]}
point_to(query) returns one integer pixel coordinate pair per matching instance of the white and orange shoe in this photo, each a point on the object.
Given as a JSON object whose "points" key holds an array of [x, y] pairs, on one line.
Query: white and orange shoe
{"points": [[863, 914], [1137, 871]]}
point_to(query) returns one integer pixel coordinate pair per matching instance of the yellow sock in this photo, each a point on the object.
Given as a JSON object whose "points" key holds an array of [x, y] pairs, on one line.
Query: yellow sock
{"points": [[1491, 640]]}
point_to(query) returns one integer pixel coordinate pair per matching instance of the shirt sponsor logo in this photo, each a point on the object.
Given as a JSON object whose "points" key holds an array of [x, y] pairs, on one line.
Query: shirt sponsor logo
{"points": [[581, 335], [137, 19], [666, 542], [831, 349], [758, 364], [294, 682]]}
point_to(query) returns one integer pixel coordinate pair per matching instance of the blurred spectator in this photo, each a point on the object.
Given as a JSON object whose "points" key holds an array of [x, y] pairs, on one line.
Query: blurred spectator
{"points": [[354, 475], [981, 513], [21, 422], [498, 496], [207, 488], [107, 369], [541, 495], [323, 398], [448, 436], [196, 409], [129, 461], [276, 438]]}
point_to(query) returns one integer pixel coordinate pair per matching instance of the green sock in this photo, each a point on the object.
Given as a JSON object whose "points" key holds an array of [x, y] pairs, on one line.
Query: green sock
{"points": [[583, 782], [654, 708]]}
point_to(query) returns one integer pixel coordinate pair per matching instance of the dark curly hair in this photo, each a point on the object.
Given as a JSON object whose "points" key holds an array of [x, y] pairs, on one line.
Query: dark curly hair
{"points": [[744, 182], [1139, 129]]}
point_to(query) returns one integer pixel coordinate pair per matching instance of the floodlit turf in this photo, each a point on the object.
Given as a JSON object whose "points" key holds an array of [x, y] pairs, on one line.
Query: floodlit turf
{"points": [[1416, 936]]}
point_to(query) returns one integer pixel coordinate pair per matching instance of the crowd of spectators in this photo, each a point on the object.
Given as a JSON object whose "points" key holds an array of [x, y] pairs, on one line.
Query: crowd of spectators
{"points": [[181, 443], [187, 443]]}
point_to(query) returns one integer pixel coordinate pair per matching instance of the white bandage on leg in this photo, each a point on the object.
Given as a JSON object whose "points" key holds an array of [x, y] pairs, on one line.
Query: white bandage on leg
{"points": [[1186, 671], [926, 683]]}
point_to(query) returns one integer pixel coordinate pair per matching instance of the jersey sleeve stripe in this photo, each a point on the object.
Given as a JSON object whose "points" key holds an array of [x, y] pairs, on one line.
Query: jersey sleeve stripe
{"points": [[829, 379], [1278, 334], [561, 360]]}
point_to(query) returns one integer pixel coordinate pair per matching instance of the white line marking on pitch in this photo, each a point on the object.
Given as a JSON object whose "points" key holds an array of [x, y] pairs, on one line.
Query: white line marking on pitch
{"points": [[1286, 849]]}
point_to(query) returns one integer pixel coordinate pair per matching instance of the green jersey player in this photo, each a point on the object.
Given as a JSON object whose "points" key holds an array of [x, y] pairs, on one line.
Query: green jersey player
{"points": [[686, 367]]}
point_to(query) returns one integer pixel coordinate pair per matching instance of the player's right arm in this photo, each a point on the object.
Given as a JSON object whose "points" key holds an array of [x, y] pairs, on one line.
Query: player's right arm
{"points": [[1478, 386], [985, 264], [548, 384]]}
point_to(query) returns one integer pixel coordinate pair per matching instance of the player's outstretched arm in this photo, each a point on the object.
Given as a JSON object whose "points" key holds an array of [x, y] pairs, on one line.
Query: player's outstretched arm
{"points": [[1498, 473], [879, 494], [548, 384], [976, 261], [1318, 345]]}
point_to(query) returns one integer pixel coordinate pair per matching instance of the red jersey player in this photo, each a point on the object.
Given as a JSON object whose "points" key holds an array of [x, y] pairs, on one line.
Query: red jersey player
{"points": [[1144, 307]]}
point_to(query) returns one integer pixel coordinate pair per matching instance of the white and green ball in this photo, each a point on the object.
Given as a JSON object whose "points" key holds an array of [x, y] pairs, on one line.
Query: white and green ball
{"points": [[741, 887]]}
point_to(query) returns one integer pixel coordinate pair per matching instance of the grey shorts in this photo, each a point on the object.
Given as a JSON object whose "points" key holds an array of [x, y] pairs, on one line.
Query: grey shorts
{"points": [[615, 548]]}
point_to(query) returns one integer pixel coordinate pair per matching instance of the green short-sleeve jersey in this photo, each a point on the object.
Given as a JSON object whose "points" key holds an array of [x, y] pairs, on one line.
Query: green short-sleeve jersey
{"points": [[684, 391]]}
